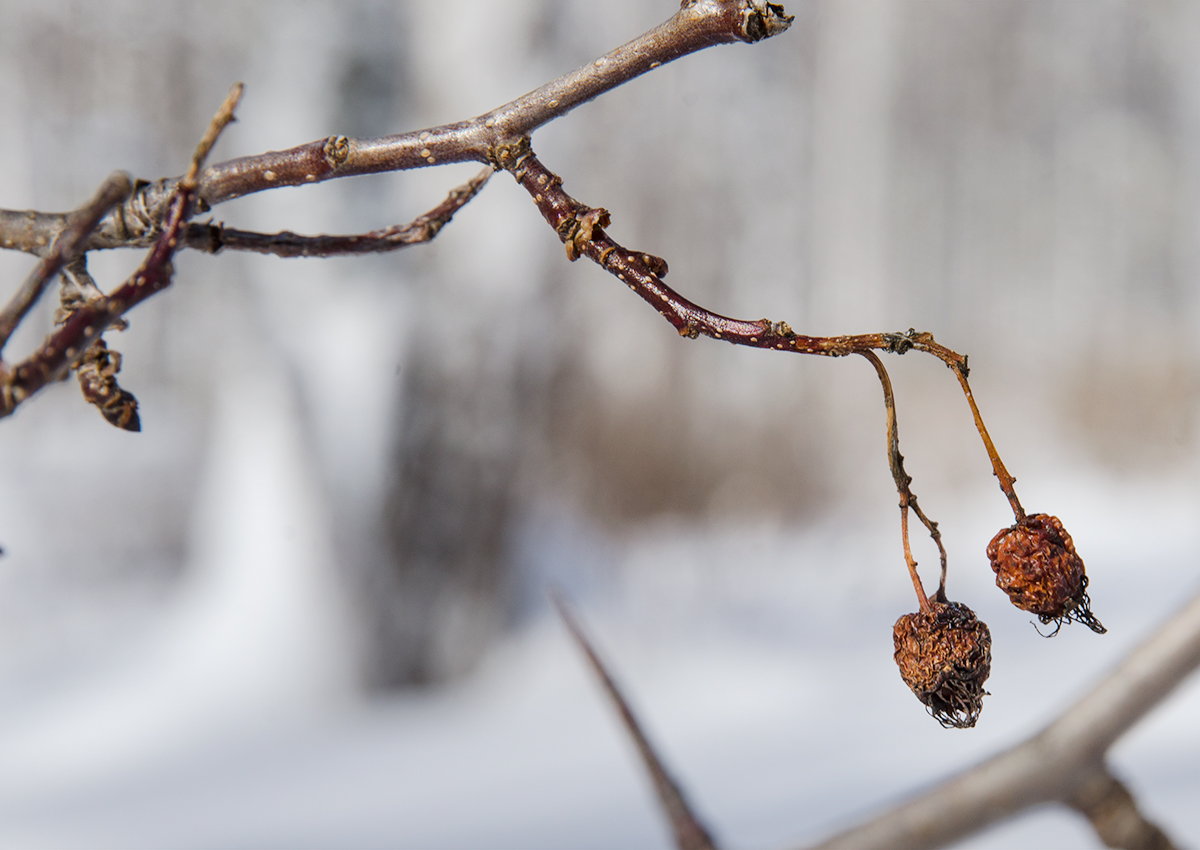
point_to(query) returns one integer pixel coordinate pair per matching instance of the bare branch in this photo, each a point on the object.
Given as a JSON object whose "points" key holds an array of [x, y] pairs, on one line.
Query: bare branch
{"points": [[697, 25], [689, 832], [32, 231], [1059, 764], [215, 237], [581, 229], [65, 247]]}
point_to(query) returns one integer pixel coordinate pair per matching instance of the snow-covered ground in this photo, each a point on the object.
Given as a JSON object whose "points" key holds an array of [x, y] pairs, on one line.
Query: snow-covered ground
{"points": [[758, 657]]}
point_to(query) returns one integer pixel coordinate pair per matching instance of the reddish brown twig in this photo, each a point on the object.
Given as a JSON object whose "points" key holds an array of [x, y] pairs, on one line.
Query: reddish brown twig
{"points": [[908, 499], [581, 229], [689, 832], [215, 237]]}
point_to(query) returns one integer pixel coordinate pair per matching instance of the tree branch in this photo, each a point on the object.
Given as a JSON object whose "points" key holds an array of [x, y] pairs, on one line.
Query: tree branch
{"points": [[698, 24], [689, 832], [216, 237], [1110, 808], [1063, 763]]}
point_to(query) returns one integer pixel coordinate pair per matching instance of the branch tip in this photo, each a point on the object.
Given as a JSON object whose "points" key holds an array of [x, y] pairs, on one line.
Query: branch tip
{"points": [[222, 119], [763, 20]]}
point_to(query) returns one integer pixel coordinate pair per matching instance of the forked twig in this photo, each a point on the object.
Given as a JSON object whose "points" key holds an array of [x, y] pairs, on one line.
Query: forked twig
{"points": [[155, 213], [1114, 814], [689, 832], [68, 345], [67, 244]]}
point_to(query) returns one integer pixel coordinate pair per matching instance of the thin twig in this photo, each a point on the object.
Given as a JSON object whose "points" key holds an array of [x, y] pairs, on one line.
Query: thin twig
{"points": [[65, 247], [220, 120], [998, 468], [908, 499], [214, 237], [1056, 765], [581, 229], [689, 832], [697, 25]]}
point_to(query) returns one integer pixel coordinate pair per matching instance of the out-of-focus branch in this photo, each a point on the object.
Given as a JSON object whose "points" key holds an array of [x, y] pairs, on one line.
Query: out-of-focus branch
{"points": [[689, 832], [1107, 804], [1064, 763], [216, 237], [66, 245]]}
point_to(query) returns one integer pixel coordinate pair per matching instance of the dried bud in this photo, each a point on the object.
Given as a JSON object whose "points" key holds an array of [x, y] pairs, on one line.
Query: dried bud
{"points": [[97, 379], [1036, 565], [945, 656]]}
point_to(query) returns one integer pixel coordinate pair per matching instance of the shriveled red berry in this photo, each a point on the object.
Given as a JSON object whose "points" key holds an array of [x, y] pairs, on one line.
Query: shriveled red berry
{"points": [[945, 656], [1037, 566]]}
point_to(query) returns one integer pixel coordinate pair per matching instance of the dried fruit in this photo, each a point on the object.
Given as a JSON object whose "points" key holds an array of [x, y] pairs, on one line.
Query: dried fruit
{"points": [[1037, 566], [945, 656]]}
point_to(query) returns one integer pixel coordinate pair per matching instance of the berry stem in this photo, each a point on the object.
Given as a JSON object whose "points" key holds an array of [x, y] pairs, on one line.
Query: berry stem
{"points": [[908, 499], [922, 599], [998, 468]]}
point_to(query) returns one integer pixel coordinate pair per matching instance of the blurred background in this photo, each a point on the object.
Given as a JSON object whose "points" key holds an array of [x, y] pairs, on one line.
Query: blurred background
{"points": [[306, 605]]}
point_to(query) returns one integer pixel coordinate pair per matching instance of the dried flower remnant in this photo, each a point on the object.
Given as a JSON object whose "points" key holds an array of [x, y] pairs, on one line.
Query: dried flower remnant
{"points": [[945, 656], [1037, 566], [97, 378]]}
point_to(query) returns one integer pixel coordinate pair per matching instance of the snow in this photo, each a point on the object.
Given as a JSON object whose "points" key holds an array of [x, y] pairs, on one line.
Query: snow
{"points": [[758, 657]]}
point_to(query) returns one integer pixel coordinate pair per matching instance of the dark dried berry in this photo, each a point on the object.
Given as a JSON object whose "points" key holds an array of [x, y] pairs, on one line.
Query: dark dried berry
{"points": [[1037, 566], [945, 656]]}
